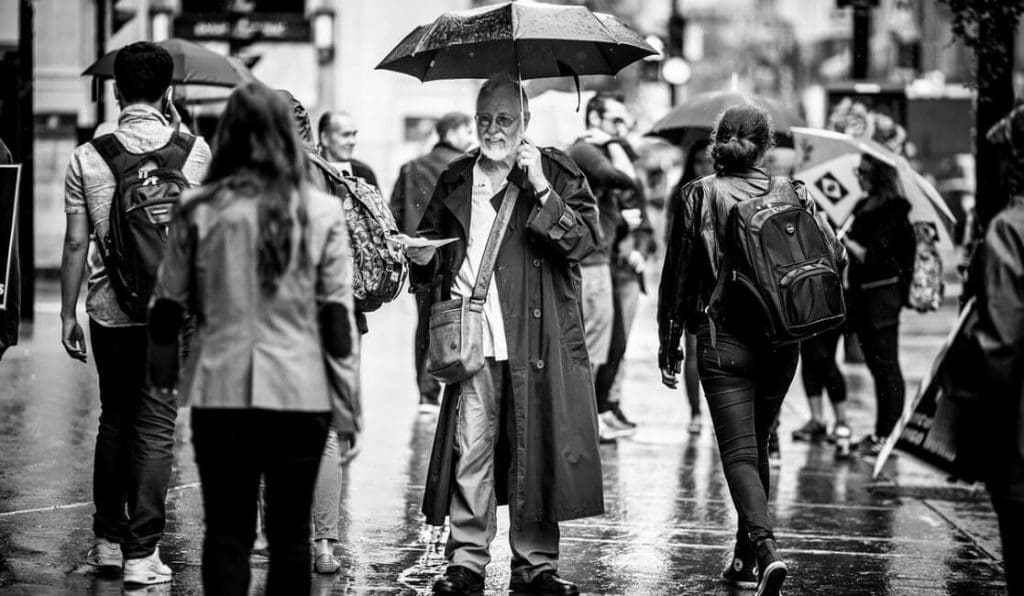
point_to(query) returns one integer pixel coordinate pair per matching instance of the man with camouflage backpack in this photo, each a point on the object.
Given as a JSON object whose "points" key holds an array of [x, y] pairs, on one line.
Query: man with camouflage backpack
{"points": [[146, 163]]}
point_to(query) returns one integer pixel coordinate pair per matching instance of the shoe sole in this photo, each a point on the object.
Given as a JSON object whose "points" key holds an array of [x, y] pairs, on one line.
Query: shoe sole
{"points": [[739, 584], [771, 582], [525, 591], [149, 580]]}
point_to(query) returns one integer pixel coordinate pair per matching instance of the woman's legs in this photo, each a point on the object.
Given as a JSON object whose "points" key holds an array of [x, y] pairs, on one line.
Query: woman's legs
{"points": [[292, 462], [229, 472], [744, 392], [881, 354]]}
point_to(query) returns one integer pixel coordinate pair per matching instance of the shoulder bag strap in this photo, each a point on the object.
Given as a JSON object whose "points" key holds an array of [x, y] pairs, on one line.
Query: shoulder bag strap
{"points": [[483, 276]]}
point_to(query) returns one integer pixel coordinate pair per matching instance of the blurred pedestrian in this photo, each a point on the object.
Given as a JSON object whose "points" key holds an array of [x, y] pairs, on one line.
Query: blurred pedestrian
{"points": [[745, 377], [263, 260], [698, 164], [882, 245], [134, 446], [337, 134], [612, 275], [415, 185], [522, 430], [341, 443], [10, 317]]}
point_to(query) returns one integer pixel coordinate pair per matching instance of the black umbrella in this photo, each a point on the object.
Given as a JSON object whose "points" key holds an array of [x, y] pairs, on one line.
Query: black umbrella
{"points": [[193, 65], [530, 40], [694, 117]]}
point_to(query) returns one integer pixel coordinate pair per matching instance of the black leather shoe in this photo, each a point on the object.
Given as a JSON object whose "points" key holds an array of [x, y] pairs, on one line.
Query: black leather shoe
{"points": [[459, 581], [546, 583], [771, 568]]}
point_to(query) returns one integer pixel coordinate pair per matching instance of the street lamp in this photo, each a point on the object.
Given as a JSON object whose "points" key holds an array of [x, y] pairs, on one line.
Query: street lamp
{"points": [[323, 34]]}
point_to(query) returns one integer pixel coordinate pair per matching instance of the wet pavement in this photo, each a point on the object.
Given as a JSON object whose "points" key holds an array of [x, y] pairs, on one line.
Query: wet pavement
{"points": [[669, 524]]}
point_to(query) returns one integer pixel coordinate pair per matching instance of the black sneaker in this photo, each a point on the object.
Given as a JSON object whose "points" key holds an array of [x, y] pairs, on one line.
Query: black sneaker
{"points": [[622, 417], [870, 446], [813, 432], [546, 583], [771, 568], [741, 572], [459, 581]]}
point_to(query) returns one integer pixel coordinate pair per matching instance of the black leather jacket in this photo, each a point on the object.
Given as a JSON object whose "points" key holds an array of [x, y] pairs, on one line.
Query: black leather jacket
{"points": [[693, 255]]}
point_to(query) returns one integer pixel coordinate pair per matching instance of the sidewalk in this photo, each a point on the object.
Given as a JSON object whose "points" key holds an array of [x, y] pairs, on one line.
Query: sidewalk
{"points": [[668, 528]]}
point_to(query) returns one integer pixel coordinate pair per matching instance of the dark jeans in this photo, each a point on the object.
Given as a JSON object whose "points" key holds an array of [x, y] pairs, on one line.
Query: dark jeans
{"points": [[820, 372], [882, 355], [134, 445], [626, 290], [1011, 530], [429, 387], [744, 386], [233, 449]]}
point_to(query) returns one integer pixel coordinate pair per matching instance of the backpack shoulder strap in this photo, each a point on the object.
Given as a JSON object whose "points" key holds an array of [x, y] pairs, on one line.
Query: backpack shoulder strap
{"points": [[113, 153], [178, 149]]}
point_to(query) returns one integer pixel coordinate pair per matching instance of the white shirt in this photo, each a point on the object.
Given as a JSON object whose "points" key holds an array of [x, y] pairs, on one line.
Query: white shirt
{"points": [[480, 221]]}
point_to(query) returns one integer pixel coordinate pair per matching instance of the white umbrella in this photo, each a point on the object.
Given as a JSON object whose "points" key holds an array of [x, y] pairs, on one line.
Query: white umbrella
{"points": [[827, 163]]}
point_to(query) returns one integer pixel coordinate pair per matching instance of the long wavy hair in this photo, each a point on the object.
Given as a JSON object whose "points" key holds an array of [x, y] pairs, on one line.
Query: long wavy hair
{"points": [[257, 153]]}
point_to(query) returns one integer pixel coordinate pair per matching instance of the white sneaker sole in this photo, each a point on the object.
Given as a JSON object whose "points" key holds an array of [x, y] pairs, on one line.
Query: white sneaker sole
{"points": [[146, 579]]}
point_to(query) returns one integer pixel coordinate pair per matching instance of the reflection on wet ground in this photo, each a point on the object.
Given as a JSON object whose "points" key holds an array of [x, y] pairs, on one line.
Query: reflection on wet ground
{"points": [[668, 528]]}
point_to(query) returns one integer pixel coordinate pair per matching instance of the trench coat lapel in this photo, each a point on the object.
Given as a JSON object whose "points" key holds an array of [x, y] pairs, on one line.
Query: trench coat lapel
{"points": [[460, 200]]}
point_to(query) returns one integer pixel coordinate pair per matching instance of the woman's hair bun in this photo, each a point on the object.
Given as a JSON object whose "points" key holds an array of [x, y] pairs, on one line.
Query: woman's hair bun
{"points": [[742, 135]]}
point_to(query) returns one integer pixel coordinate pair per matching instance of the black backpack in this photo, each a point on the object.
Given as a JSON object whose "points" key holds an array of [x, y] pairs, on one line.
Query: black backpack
{"points": [[140, 215], [780, 278]]}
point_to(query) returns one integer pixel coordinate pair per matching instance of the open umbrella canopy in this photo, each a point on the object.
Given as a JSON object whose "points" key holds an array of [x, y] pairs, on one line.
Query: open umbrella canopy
{"points": [[694, 117], [827, 163], [193, 65], [530, 39]]}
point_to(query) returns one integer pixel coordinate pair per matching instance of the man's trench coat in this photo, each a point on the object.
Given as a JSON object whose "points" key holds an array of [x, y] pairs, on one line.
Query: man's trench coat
{"points": [[557, 466]]}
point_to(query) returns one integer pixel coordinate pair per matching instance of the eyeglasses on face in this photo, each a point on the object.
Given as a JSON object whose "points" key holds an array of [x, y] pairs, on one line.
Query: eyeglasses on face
{"points": [[502, 120]]}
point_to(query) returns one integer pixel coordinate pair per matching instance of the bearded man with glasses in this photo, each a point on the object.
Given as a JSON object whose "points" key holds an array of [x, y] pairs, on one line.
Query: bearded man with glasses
{"points": [[523, 430]]}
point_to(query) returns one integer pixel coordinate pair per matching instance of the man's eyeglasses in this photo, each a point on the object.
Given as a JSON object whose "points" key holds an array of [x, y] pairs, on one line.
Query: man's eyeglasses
{"points": [[502, 120], [618, 121]]}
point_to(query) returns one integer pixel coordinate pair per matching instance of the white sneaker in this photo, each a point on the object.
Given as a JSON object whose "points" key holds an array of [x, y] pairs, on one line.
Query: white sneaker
{"points": [[105, 554], [609, 428], [147, 571]]}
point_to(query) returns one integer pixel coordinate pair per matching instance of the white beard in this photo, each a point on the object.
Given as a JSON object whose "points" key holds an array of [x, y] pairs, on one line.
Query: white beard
{"points": [[495, 152]]}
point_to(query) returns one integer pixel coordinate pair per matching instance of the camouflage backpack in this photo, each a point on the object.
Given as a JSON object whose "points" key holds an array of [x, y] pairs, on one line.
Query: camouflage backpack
{"points": [[379, 265]]}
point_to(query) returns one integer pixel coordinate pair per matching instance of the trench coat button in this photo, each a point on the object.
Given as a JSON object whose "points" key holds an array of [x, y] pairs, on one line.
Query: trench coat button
{"points": [[539, 364], [536, 262], [536, 313]]}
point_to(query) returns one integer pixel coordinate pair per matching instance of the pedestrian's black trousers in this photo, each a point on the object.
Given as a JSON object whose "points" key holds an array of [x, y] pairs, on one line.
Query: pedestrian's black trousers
{"points": [[820, 372], [134, 445], [874, 315], [234, 447], [744, 386]]}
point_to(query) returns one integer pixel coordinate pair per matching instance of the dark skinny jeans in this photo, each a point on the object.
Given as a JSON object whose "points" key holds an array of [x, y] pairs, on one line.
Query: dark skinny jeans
{"points": [[234, 447], [744, 386]]}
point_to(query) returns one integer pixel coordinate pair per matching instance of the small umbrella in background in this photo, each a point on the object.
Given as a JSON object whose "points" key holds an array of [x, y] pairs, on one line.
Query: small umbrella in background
{"points": [[193, 65], [692, 119], [827, 163]]}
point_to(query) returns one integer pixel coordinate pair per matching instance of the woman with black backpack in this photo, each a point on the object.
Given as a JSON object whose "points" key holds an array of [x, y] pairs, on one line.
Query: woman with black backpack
{"points": [[745, 370], [882, 246]]}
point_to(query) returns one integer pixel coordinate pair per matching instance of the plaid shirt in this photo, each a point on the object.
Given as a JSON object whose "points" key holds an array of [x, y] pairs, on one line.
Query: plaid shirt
{"points": [[89, 188]]}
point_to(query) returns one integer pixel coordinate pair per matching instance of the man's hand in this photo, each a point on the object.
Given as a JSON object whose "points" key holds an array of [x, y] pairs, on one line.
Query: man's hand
{"points": [[73, 339], [421, 255], [670, 376], [632, 217], [637, 261], [528, 158]]}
